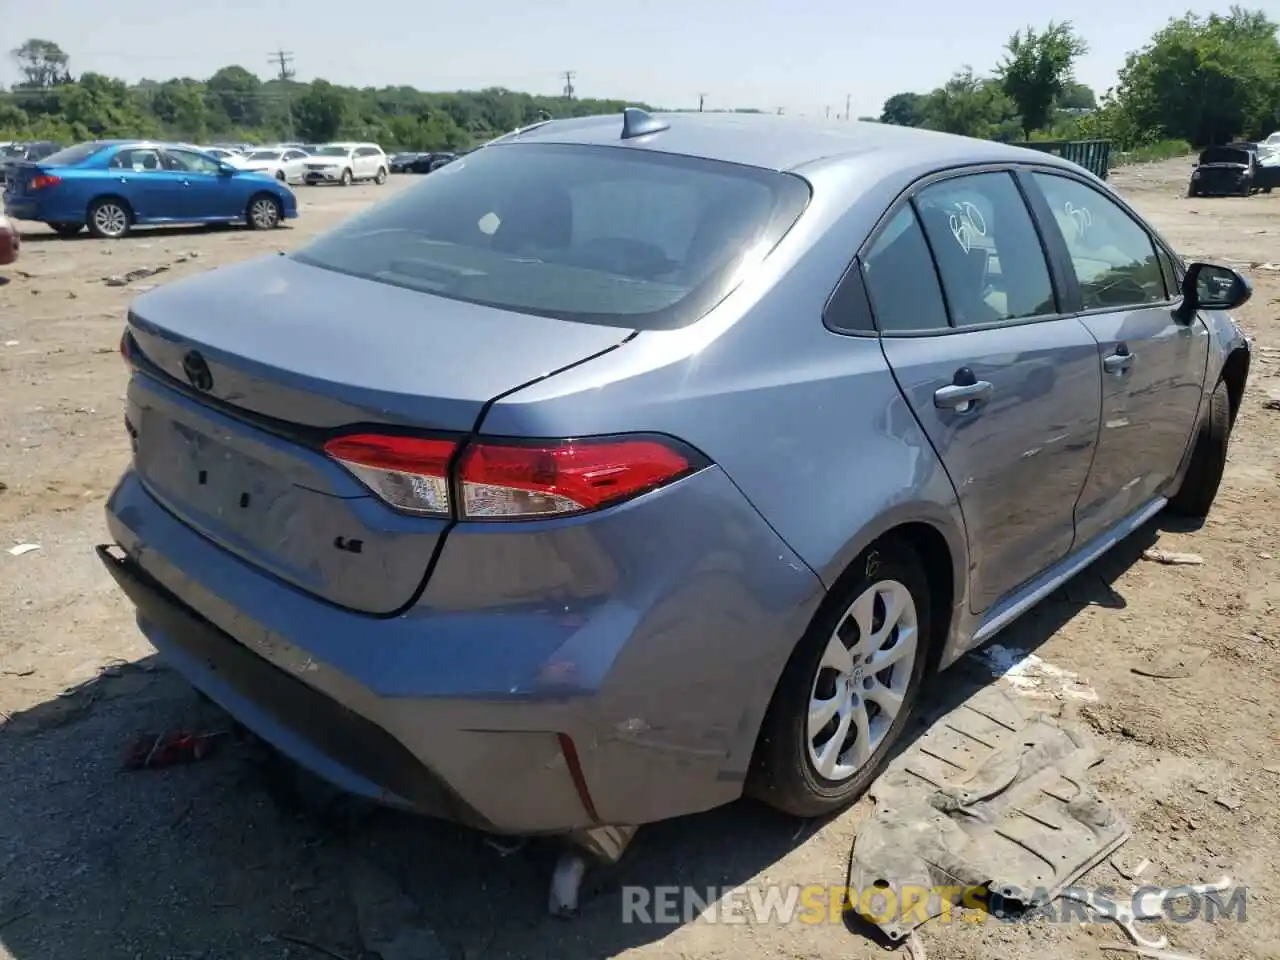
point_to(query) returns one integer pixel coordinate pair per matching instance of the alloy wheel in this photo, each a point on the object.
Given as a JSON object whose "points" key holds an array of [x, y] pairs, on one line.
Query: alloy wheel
{"points": [[862, 680], [264, 213], [111, 219]]}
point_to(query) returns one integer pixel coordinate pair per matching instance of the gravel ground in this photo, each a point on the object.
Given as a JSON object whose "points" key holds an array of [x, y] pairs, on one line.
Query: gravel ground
{"points": [[241, 857]]}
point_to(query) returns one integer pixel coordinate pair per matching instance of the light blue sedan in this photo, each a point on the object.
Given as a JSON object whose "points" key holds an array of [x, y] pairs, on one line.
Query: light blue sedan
{"points": [[111, 186]]}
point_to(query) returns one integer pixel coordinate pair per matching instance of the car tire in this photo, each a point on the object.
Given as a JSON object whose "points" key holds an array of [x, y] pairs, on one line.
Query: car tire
{"points": [[109, 218], [281, 176], [264, 212], [67, 229], [798, 768], [347, 178], [381, 178], [1192, 192], [1208, 459]]}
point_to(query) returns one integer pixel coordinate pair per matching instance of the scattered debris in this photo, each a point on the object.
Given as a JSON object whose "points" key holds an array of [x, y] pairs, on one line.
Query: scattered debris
{"points": [[1272, 402], [167, 750], [914, 947], [11, 343], [1274, 768], [1129, 873], [1157, 555], [505, 849], [1172, 663], [988, 796], [23, 548], [312, 945], [1034, 677], [1231, 803], [123, 280], [1146, 952]]}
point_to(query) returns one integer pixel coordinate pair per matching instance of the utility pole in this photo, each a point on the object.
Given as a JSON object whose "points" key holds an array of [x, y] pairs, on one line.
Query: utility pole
{"points": [[702, 98], [568, 83], [284, 59], [828, 117], [780, 109], [848, 100]]}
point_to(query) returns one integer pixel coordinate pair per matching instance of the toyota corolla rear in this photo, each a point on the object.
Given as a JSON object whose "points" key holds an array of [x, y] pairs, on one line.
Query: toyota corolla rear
{"points": [[526, 633]]}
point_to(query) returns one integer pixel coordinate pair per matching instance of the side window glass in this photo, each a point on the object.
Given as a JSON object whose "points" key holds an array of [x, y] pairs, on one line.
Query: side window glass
{"points": [[1113, 255], [187, 162], [901, 282], [142, 160], [988, 252], [1173, 273]]}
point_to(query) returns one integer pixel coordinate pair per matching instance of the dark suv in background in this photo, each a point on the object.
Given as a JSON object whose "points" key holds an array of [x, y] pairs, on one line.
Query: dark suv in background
{"points": [[1231, 170]]}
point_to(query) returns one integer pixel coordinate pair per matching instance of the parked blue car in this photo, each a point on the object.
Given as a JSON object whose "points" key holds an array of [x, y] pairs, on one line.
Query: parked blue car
{"points": [[111, 186]]}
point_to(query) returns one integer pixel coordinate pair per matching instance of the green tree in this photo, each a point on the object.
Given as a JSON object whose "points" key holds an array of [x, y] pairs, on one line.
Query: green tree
{"points": [[42, 64], [904, 109], [234, 97], [971, 106], [1203, 80], [320, 112], [1077, 96], [1037, 69]]}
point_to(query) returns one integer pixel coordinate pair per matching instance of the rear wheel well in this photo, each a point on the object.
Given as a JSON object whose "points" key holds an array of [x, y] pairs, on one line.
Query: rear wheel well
{"points": [[935, 555], [114, 198], [1235, 373]]}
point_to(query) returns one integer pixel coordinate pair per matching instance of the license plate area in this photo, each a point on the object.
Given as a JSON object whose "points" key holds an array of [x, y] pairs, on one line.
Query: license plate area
{"points": [[227, 488]]}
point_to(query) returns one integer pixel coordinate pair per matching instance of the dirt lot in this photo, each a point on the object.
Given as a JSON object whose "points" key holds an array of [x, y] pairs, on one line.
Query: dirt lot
{"points": [[236, 857]]}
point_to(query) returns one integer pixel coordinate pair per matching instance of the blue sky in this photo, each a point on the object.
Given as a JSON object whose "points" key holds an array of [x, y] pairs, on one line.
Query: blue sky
{"points": [[804, 57]]}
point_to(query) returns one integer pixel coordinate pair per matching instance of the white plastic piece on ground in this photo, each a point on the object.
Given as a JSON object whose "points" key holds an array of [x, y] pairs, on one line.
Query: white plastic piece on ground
{"points": [[1031, 676], [1150, 905], [22, 548]]}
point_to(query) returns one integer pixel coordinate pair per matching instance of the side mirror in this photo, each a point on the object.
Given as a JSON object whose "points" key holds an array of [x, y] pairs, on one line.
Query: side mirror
{"points": [[1211, 286], [226, 169]]}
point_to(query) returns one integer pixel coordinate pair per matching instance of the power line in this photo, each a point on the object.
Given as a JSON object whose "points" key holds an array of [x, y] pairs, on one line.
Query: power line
{"points": [[284, 58], [568, 83]]}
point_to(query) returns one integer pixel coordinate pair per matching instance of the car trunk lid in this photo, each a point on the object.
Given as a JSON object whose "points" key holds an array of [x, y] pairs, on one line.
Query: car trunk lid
{"points": [[253, 366]]}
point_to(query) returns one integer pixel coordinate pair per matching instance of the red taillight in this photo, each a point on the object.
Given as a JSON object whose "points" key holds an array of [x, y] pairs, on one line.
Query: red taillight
{"points": [[124, 345], [510, 480], [409, 473], [44, 180]]}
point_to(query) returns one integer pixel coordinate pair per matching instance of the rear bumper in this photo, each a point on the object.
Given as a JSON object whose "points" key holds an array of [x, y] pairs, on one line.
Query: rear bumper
{"points": [[651, 637]]}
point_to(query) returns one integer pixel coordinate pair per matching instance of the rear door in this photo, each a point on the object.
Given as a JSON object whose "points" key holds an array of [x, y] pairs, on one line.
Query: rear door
{"points": [[1152, 364], [1006, 386], [154, 192]]}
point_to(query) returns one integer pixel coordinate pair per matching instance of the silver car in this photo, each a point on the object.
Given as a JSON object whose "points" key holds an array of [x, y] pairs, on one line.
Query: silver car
{"points": [[627, 464]]}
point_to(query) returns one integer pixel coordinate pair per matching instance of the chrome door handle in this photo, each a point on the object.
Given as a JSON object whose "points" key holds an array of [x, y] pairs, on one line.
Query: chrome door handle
{"points": [[960, 396], [1119, 362]]}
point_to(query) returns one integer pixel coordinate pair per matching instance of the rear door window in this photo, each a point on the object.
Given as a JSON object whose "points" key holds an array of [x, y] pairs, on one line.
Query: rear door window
{"points": [[593, 234], [139, 160], [988, 252], [900, 278]]}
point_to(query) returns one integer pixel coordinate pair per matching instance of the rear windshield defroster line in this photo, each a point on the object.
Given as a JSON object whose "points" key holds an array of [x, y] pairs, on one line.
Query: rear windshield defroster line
{"points": [[619, 236]]}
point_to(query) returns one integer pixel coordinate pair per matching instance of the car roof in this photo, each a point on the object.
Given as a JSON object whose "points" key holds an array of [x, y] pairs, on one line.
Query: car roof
{"points": [[779, 142]]}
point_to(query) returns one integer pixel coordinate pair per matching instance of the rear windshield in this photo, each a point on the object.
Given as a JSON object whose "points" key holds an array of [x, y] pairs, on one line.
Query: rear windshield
{"points": [[332, 152], [1224, 155], [606, 235], [73, 155]]}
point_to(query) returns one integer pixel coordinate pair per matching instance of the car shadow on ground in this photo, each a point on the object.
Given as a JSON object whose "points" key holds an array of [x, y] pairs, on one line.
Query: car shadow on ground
{"points": [[240, 854]]}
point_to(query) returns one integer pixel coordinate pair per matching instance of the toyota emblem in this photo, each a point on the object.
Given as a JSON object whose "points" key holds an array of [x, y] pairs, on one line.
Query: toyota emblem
{"points": [[197, 372]]}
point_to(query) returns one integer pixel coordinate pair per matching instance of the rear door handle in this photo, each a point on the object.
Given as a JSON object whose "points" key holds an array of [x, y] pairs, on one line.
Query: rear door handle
{"points": [[963, 393], [1119, 362]]}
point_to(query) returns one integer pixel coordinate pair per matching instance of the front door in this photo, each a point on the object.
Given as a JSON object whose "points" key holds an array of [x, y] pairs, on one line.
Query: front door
{"points": [[1005, 387], [1153, 365], [207, 193]]}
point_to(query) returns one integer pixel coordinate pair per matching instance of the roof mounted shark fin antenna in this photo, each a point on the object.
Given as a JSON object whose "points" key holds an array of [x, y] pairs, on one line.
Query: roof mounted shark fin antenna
{"points": [[638, 123]]}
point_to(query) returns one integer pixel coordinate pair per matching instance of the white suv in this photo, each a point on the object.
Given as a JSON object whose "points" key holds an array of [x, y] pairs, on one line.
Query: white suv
{"points": [[345, 163]]}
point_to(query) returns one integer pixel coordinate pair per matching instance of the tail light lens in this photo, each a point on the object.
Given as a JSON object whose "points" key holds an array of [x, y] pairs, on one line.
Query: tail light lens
{"points": [[44, 180], [496, 480], [409, 473]]}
